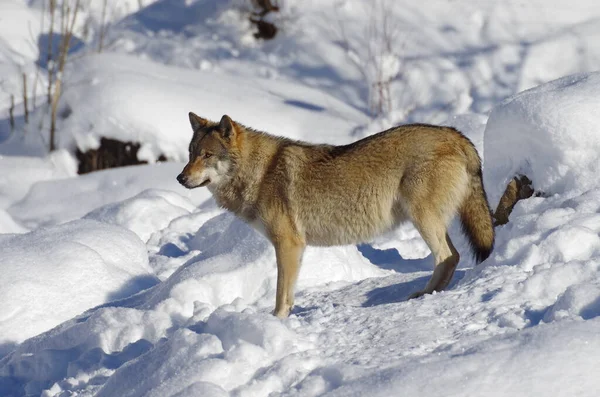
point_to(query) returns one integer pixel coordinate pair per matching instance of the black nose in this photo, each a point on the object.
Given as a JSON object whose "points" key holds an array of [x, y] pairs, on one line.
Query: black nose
{"points": [[181, 178]]}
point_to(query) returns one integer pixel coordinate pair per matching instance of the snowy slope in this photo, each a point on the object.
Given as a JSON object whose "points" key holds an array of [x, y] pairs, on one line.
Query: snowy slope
{"points": [[444, 57], [83, 263], [557, 119], [147, 102], [58, 200], [206, 328], [123, 283], [18, 25]]}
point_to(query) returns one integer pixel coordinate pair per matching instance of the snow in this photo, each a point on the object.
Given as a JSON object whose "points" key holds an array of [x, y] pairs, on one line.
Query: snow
{"points": [[550, 134], [17, 31], [54, 201], [21, 172], [120, 85], [17, 46], [122, 282], [53, 274], [502, 366], [148, 212]]}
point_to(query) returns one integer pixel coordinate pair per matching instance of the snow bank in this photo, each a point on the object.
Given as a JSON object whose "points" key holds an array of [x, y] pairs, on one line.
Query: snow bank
{"points": [[82, 351], [57, 201], [205, 328], [8, 224], [148, 102], [222, 354], [145, 213], [440, 67], [18, 173], [51, 275], [214, 310], [549, 133], [546, 262]]}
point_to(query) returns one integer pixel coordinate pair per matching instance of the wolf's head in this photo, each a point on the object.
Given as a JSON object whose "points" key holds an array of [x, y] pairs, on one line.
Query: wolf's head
{"points": [[212, 151]]}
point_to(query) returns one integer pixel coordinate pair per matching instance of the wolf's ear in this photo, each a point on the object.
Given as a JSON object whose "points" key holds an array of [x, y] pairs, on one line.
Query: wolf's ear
{"points": [[227, 127], [196, 121]]}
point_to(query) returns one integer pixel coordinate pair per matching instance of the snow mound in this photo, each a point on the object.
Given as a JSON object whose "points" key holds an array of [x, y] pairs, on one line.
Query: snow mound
{"points": [[145, 213], [547, 258], [85, 349], [51, 275], [8, 224], [57, 201], [579, 300], [216, 355], [206, 327], [549, 133], [20, 173], [147, 102]]}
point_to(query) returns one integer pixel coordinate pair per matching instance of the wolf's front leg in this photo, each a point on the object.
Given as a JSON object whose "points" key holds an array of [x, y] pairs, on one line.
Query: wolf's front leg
{"points": [[288, 250]]}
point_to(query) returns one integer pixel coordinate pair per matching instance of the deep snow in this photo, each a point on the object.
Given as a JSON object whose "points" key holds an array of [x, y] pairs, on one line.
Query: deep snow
{"points": [[123, 283], [53, 274]]}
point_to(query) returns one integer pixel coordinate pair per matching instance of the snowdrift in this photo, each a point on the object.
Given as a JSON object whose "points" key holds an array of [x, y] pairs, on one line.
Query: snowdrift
{"points": [[550, 134], [20, 173], [206, 328], [59, 200], [51, 275], [157, 292], [145, 213], [122, 97]]}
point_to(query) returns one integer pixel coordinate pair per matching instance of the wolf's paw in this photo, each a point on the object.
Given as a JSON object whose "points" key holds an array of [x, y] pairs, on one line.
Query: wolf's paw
{"points": [[417, 294], [282, 312]]}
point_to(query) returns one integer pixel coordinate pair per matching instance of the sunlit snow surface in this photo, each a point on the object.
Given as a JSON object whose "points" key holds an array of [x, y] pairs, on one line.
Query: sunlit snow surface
{"points": [[123, 283]]}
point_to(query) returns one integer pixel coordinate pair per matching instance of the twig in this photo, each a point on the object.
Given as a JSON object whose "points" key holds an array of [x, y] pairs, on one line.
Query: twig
{"points": [[11, 113], [102, 26], [49, 56], [64, 51], [25, 98]]}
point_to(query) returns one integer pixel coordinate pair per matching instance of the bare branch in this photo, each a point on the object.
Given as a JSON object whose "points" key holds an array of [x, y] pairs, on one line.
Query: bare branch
{"points": [[11, 113], [65, 45], [25, 98], [49, 56], [102, 26]]}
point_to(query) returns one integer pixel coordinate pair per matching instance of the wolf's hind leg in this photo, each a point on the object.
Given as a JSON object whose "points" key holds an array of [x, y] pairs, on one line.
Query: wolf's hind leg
{"points": [[453, 264], [445, 255]]}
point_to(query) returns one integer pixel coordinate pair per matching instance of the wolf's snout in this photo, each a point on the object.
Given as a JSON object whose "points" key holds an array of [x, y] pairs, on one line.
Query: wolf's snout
{"points": [[181, 178]]}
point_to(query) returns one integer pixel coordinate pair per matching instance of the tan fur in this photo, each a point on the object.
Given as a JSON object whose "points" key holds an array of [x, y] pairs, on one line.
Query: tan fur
{"points": [[301, 194]]}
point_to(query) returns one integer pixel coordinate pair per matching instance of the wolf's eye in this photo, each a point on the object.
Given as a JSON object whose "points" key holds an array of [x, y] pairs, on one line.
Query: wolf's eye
{"points": [[207, 155]]}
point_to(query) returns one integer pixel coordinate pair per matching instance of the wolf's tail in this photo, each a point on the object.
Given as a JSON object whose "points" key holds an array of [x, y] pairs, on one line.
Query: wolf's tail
{"points": [[475, 214]]}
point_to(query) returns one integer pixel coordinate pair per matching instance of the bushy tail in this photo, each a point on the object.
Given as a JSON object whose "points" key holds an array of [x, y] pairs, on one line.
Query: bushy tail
{"points": [[476, 218]]}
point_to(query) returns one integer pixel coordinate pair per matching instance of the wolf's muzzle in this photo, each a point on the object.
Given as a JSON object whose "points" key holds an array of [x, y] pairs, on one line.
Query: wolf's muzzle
{"points": [[182, 179]]}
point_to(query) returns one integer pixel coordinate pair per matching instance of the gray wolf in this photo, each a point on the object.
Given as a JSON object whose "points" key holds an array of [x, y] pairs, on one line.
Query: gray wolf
{"points": [[300, 194]]}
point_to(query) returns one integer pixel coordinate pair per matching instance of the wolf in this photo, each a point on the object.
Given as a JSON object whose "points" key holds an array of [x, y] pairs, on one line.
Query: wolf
{"points": [[299, 194]]}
